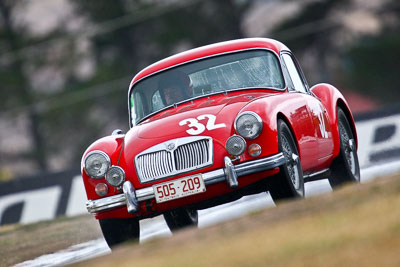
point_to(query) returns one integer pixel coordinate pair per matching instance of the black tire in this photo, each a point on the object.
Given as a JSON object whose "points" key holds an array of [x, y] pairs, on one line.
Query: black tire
{"points": [[345, 167], [117, 231], [181, 218], [289, 182]]}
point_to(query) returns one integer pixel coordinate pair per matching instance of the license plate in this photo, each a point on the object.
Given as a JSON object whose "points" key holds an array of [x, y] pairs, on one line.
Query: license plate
{"points": [[179, 188]]}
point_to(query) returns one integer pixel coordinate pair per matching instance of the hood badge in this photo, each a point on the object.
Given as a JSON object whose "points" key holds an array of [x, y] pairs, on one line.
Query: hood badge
{"points": [[170, 146]]}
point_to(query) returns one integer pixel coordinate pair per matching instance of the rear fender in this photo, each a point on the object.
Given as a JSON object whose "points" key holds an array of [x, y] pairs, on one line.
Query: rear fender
{"points": [[331, 99]]}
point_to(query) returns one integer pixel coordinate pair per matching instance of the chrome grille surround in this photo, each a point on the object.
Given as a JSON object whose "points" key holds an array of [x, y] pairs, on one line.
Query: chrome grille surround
{"points": [[174, 157]]}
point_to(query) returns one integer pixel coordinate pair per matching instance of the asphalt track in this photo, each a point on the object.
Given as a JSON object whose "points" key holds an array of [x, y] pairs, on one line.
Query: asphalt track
{"points": [[156, 227]]}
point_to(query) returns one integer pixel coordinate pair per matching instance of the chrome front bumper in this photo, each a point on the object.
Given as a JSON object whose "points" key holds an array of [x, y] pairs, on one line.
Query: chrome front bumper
{"points": [[131, 197]]}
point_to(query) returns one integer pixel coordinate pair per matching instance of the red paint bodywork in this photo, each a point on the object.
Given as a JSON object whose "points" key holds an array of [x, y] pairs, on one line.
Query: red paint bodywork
{"points": [[297, 109]]}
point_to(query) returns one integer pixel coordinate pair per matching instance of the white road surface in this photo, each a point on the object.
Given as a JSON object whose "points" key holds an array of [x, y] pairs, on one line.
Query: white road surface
{"points": [[156, 227]]}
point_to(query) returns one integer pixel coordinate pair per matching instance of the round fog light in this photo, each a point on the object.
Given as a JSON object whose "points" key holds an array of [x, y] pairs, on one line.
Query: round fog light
{"points": [[235, 145], [115, 176], [255, 150], [101, 189]]}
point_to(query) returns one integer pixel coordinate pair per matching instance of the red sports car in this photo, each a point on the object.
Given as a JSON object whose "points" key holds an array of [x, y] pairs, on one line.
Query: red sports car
{"points": [[212, 124]]}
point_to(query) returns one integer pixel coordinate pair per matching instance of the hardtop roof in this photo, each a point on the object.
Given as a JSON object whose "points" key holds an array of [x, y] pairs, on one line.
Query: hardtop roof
{"points": [[210, 50]]}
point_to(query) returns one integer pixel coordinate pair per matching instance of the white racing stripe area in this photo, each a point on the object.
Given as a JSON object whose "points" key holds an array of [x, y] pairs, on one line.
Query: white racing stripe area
{"points": [[156, 227]]}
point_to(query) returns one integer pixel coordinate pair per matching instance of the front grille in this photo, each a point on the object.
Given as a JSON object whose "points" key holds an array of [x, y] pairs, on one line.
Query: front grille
{"points": [[174, 157], [155, 164], [191, 155]]}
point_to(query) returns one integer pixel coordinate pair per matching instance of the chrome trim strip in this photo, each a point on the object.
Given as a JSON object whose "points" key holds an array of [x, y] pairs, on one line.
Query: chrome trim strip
{"points": [[259, 165], [210, 178], [316, 175]]}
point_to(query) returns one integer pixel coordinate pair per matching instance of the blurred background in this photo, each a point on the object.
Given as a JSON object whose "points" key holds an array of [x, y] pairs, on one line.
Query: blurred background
{"points": [[65, 65]]}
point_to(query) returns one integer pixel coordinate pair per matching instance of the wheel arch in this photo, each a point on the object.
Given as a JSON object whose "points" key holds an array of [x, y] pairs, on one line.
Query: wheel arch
{"points": [[287, 184], [281, 116], [343, 106], [333, 99]]}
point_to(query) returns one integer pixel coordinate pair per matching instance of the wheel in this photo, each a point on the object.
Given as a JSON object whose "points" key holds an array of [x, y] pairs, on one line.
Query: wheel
{"points": [[117, 231], [345, 167], [289, 182], [181, 218]]}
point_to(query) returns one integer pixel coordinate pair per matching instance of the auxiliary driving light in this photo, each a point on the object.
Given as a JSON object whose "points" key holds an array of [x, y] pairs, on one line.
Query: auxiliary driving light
{"points": [[235, 145], [115, 176]]}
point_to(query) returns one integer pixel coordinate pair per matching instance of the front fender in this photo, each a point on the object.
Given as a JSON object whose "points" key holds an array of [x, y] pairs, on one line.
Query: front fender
{"points": [[268, 138], [111, 145]]}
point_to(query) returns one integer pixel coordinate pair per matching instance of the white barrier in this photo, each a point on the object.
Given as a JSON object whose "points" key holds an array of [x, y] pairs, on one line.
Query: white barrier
{"points": [[379, 140]]}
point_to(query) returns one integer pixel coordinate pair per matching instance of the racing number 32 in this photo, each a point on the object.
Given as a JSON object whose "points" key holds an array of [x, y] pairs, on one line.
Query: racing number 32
{"points": [[197, 127]]}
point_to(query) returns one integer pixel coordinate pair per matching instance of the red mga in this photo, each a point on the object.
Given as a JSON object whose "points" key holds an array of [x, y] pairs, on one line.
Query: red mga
{"points": [[211, 125]]}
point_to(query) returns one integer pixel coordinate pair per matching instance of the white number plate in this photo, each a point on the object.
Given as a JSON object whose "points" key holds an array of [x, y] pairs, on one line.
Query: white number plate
{"points": [[183, 187]]}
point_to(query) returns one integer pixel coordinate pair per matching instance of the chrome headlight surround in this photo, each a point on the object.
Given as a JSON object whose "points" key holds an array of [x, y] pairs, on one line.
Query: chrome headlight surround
{"points": [[96, 164], [248, 124], [115, 176]]}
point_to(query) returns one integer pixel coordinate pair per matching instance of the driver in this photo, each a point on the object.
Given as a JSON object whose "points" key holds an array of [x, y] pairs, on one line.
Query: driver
{"points": [[174, 86]]}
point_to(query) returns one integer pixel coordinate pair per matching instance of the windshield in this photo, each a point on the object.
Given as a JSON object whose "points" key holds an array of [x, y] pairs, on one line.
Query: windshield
{"points": [[241, 70]]}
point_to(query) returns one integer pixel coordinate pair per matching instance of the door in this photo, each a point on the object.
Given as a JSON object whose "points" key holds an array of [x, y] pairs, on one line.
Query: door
{"points": [[301, 115], [321, 145]]}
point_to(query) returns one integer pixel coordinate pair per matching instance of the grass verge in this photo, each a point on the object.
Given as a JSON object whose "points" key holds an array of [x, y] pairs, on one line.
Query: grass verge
{"points": [[357, 225], [19, 243]]}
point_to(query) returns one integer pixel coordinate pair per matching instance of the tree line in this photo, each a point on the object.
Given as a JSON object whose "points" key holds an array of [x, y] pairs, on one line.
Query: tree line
{"points": [[63, 89]]}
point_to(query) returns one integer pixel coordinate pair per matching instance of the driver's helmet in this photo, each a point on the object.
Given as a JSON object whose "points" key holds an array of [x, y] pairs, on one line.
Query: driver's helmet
{"points": [[174, 86]]}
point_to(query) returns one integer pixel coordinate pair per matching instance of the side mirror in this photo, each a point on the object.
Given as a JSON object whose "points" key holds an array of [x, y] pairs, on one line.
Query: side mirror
{"points": [[117, 132]]}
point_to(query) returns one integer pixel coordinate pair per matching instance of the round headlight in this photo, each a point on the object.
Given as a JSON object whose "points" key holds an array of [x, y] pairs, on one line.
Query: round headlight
{"points": [[115, 176], [248, 124], [96, 164], [235, 145]]}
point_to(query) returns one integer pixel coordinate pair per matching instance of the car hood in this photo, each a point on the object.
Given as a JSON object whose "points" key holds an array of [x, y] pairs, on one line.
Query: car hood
{"points": [[178, 121], [207, 117]]}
